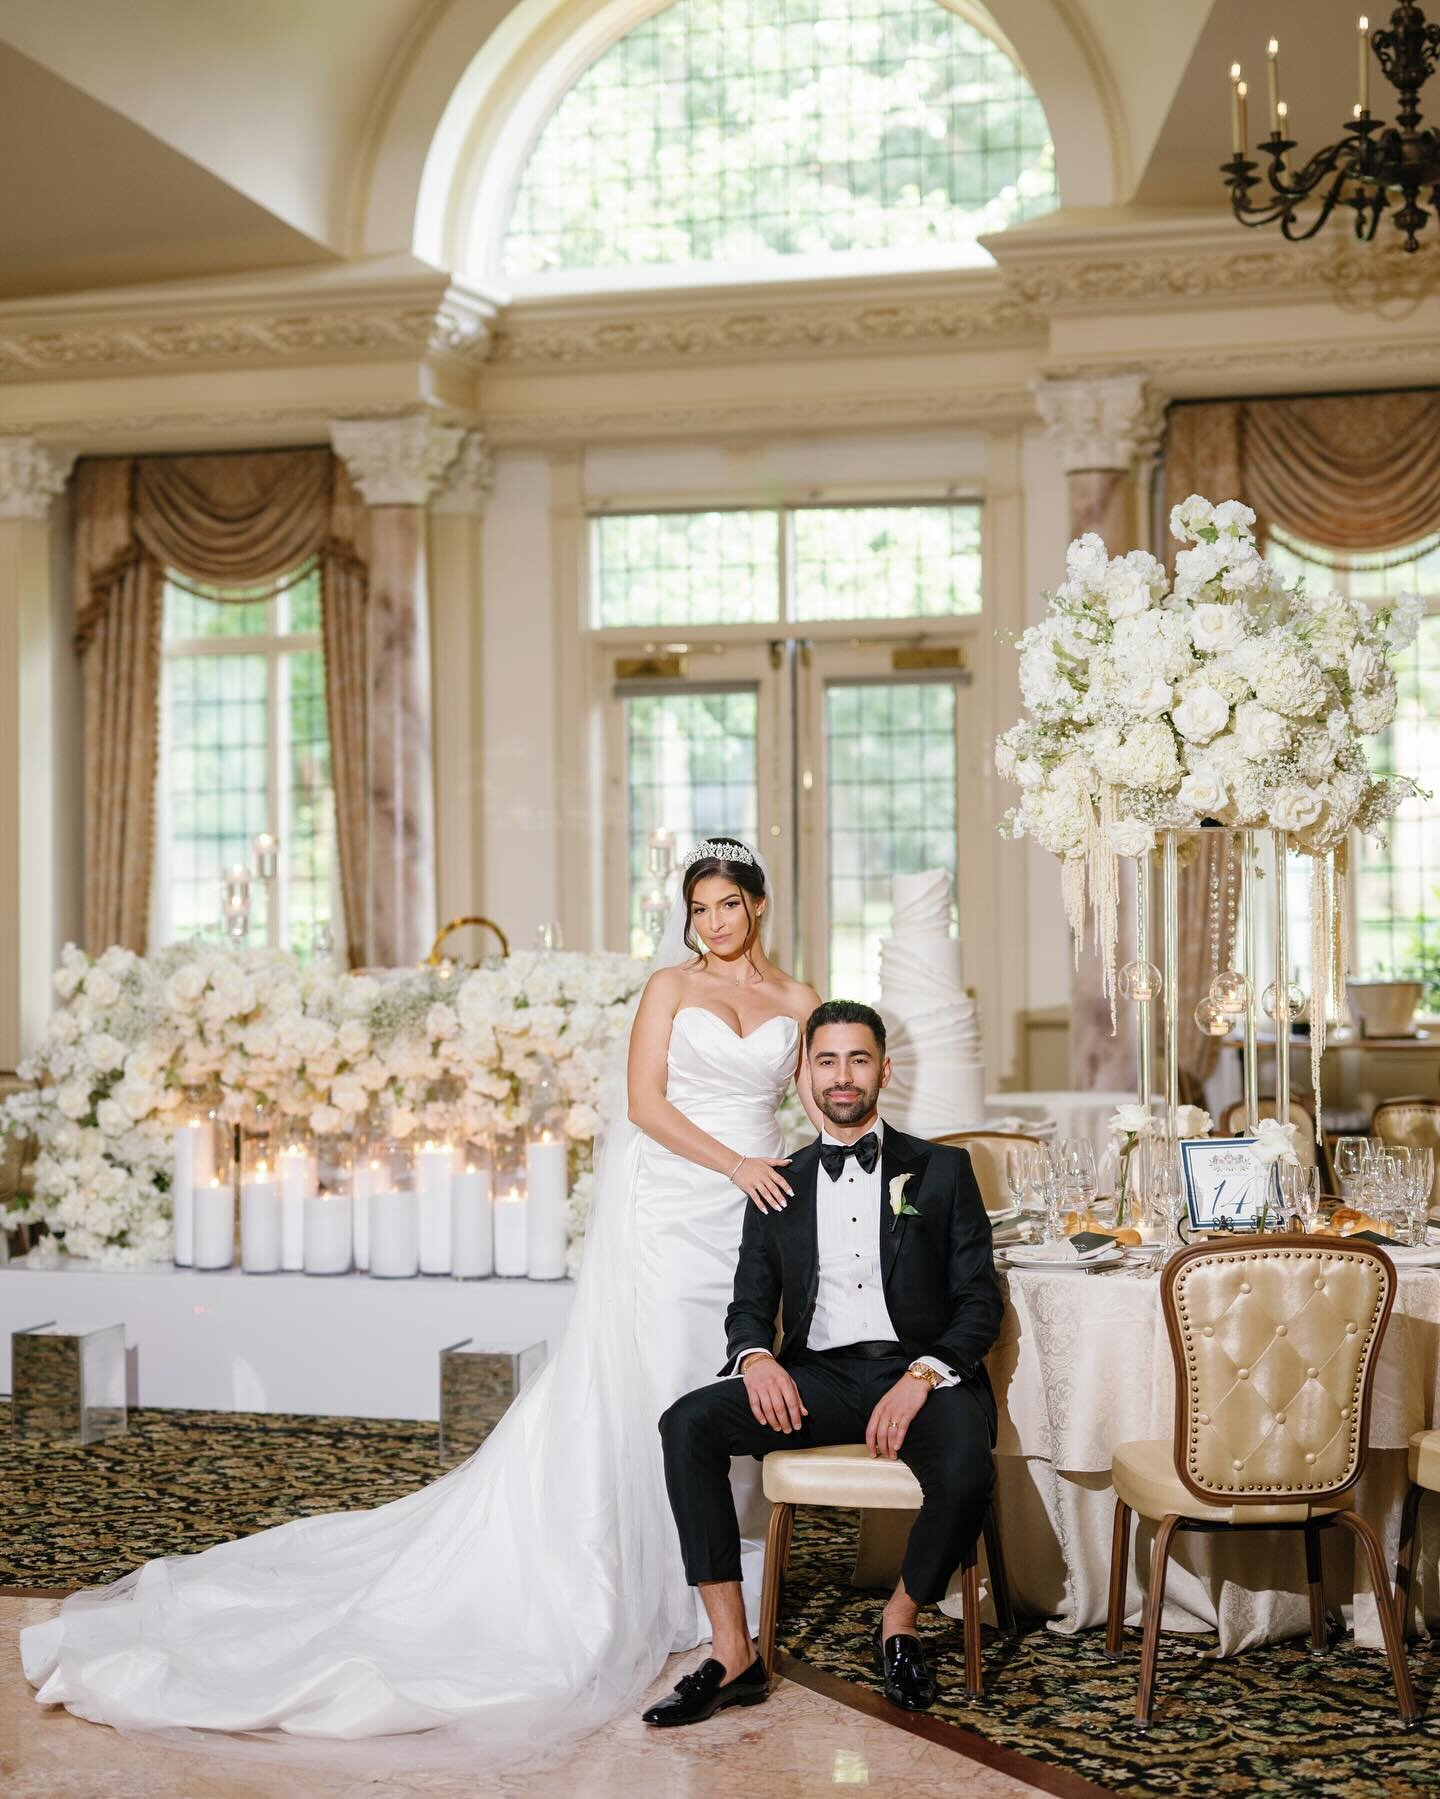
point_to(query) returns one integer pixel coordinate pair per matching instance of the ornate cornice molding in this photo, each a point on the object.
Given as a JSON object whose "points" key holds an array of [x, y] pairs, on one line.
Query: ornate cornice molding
{"points": [[30, 477], [353, 314], [813, 318], [1101, 422], [396, 461]]}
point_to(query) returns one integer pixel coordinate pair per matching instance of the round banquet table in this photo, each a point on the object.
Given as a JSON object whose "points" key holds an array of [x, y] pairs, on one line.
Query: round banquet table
{"points": [[1083, 1363]]}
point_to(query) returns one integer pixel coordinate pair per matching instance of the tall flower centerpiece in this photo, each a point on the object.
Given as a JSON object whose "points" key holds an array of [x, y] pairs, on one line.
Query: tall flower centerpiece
{"points": [[1221, 696]]}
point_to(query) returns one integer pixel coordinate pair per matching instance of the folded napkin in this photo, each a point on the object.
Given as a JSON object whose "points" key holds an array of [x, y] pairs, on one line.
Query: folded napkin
{"points": [[1088, 1247], [1408, 1255]]}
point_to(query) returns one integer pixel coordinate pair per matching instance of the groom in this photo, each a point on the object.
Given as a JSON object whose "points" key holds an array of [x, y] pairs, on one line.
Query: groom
{"points": [[880, 1269]]}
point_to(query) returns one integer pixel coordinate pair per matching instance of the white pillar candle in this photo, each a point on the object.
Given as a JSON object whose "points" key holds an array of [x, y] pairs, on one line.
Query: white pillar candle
{"points": [[434, 1169], [472, 1230], [545, 1181], [363, 1178], [214, 1226], [194, 1166], [297, 1183], [394, 1236], [260, 1227], [327, 1233], [510, 1251]]}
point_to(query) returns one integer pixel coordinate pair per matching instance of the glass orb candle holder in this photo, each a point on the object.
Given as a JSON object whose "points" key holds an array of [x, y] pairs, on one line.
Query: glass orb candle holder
{"points": [[1230, 992], [1140, 981], [1211, 1020], [1296, 1002]]}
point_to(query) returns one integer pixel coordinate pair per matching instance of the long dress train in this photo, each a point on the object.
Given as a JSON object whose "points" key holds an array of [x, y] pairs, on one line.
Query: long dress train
{"points": [[530, 1594]]}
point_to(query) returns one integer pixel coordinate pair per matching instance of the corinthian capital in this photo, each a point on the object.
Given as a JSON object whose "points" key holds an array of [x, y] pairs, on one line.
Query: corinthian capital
{"points": [[1109, 422], [465, 485], [396, 461], [30, 477]]}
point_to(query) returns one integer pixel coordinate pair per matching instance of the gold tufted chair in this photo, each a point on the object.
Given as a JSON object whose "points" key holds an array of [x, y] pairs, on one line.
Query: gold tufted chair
{"points": [[987, 1158], [1414, 1123], [1424, 1478], [848, 1476], [1275, 1342]]}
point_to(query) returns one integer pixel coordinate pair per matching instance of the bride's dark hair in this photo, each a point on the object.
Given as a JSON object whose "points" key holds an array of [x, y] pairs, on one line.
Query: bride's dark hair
{"points": [[747, 876]]}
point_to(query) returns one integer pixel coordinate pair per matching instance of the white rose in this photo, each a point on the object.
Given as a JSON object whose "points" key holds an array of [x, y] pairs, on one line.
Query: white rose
{"points": [[1363, 666], [73, 1099], [353, 1038], [1293, 808], [1149, 697], [1275, 1142], [1131, 583], [1192, 1121], [1216, 627], [1204, 792], [1262, 733], [101, 989], [1131, 837], [327, 1121], [104, 1052], [185, 986], [1201, 714], [112, 1119], [1132, 1120]]}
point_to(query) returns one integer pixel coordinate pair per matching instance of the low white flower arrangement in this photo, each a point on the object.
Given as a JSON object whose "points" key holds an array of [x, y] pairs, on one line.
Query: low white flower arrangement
{"points": [[423, 1050]]}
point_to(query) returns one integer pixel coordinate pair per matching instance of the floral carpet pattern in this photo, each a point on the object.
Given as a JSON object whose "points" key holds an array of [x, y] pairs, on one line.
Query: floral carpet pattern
{"points": [[1272, 1722]]}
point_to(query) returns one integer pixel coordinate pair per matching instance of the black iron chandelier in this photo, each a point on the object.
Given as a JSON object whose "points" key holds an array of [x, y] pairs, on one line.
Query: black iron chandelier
{"points": [[1375, 169]]}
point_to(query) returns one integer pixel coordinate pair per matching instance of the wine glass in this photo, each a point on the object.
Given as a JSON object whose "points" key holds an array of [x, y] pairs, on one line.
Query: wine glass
{"points": [[1419, 1176], [1351, 1155], [1019, 1166], [1300, 1187], [1080, 1176]]}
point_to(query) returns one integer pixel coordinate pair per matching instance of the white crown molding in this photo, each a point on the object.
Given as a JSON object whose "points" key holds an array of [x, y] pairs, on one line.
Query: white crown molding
{"points": [[1102, 421], [394, 306], [31, 475], [396, 461]]}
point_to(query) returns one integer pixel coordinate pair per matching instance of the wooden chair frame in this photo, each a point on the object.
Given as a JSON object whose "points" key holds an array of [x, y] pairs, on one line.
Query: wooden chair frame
{"points": [[1174, 1522], [777, 1559]]}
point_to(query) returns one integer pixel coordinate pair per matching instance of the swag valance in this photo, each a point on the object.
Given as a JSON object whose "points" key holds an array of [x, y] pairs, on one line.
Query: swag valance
{"points": [[248, 521]]}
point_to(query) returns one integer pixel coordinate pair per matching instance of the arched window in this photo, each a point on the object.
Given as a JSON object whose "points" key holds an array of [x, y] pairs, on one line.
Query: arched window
{"points": [[734, 131]]}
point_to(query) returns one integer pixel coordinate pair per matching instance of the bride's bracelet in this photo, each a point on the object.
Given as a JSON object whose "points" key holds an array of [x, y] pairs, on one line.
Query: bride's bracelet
{"points": [[736, 1169]]}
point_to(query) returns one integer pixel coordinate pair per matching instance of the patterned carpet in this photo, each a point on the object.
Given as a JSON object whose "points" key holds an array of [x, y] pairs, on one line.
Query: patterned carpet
{"points": [[1270, 1722]]}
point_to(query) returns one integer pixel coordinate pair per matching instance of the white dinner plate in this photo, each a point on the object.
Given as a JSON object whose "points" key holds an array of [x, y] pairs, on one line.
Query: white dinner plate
{"points": [[1023, 1256]]}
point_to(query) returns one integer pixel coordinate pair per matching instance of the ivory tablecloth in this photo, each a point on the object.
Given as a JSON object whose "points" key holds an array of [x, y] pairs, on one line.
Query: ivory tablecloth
{"points": [[1083, 1363]]}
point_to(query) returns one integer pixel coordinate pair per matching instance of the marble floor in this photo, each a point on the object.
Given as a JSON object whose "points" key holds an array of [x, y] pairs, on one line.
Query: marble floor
{"points": [[799, 1743]]}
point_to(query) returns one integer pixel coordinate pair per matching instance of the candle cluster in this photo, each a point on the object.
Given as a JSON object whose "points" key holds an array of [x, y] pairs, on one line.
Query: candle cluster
{"points": [[1279, 109], [392, 1210]]}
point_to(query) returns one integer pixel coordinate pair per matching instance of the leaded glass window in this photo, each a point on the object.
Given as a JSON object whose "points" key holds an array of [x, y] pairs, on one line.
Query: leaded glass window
{"points": [[245, 748], [729, 131]]}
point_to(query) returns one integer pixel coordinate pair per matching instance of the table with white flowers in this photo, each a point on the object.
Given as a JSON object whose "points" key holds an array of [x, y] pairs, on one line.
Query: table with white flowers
{"points": [[1083, 1363]]}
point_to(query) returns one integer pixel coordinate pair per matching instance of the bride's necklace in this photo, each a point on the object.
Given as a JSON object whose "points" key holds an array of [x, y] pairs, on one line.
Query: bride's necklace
{"points": [[740, 980]]}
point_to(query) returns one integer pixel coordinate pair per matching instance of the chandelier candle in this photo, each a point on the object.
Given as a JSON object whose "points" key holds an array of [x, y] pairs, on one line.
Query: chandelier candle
{"points": [[1237, 110], [297, 1183], [510, 1235], [214, 1225], [394, 1236], [434, 1169], [1362, 45], [546, 1156], [260, 1226], [327, 1233], [472, 1226], [1272, 81]]}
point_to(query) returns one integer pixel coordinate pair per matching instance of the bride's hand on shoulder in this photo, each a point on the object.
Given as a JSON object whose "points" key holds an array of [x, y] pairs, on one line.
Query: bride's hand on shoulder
{"points": [[760, 1180]]}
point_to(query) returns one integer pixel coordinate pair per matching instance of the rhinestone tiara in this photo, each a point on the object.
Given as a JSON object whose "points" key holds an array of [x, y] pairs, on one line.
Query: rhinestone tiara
{"points": [[720, 849]]}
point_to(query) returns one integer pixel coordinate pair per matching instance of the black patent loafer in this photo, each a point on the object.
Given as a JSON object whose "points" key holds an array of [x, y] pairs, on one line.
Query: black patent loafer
{"points": [[700, 1695], [908, 1680]]}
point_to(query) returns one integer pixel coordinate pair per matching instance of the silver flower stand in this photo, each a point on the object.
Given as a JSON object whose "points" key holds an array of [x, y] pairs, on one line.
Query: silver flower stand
{"points": [[476, 1390], [67, 1386]]}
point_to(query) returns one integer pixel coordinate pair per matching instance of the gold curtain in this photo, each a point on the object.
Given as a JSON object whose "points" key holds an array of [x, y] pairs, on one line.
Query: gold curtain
{"points": [[231, 520], [1350, 473]]}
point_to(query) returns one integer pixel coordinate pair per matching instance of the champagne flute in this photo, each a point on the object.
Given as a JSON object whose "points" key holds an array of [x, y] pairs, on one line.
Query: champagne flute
{"points": [[1351, 1155], [1018, 1167], [1080, 1171]]}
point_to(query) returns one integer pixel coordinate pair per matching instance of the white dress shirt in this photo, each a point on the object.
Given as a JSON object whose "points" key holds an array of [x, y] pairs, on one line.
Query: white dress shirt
{"points": [[850, 1299]]}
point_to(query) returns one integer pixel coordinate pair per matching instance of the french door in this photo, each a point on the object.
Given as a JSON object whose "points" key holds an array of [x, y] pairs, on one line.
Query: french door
{"points": [[847, 760]]}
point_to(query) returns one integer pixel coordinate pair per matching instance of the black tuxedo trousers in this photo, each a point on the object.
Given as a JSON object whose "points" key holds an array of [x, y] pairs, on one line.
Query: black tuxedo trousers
{"points": [[947, 1447]]}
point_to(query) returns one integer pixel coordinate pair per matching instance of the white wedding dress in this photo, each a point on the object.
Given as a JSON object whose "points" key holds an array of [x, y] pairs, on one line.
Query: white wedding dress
{"points": [[533, 1592]]}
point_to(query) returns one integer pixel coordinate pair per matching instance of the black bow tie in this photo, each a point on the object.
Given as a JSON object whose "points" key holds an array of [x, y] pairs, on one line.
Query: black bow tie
{"points": [[866, 1151]]}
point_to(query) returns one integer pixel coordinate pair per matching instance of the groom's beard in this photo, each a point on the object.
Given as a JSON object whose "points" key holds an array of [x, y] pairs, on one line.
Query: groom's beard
{"points": [[847, 1111]]}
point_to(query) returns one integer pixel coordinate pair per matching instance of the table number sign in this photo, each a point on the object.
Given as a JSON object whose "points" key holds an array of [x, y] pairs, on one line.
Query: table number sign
{"points": [[1228, 1185]]}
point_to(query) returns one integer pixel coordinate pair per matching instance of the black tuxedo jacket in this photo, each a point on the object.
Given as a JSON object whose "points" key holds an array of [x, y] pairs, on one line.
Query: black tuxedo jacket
{"points": [[937, 1267]]}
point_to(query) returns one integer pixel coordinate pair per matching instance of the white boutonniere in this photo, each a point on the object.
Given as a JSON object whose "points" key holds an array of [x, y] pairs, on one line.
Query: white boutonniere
{"points": [[898, 1207]]}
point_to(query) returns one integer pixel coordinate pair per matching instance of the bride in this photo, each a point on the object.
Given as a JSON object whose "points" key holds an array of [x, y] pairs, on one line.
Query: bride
{"points": [[533, 1592]]}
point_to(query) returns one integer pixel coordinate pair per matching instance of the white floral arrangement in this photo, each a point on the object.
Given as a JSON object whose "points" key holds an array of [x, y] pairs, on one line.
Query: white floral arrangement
{"points": [[1223, 696], [439, 1051]]}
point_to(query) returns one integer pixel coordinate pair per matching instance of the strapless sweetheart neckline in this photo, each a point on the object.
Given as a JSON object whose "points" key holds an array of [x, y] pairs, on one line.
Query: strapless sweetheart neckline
{"points": [[740, 1036]]}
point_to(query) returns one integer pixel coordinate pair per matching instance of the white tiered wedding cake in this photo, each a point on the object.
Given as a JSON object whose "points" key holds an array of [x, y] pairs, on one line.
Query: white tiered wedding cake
{"points": [[938, 1078]]}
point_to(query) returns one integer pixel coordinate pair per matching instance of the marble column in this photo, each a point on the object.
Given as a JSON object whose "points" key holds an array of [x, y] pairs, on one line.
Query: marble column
{"points": [[1107, 431], [40, 726], [396, 463], [456, 550]]}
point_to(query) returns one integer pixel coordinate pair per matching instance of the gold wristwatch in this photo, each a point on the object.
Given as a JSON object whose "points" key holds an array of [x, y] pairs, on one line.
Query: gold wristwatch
{"points": [[922, 1371]]}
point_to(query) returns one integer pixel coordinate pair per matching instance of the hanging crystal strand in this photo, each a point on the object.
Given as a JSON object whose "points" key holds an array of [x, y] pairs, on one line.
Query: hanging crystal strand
{"points": [[1321, 927], [1212, 1019]]}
